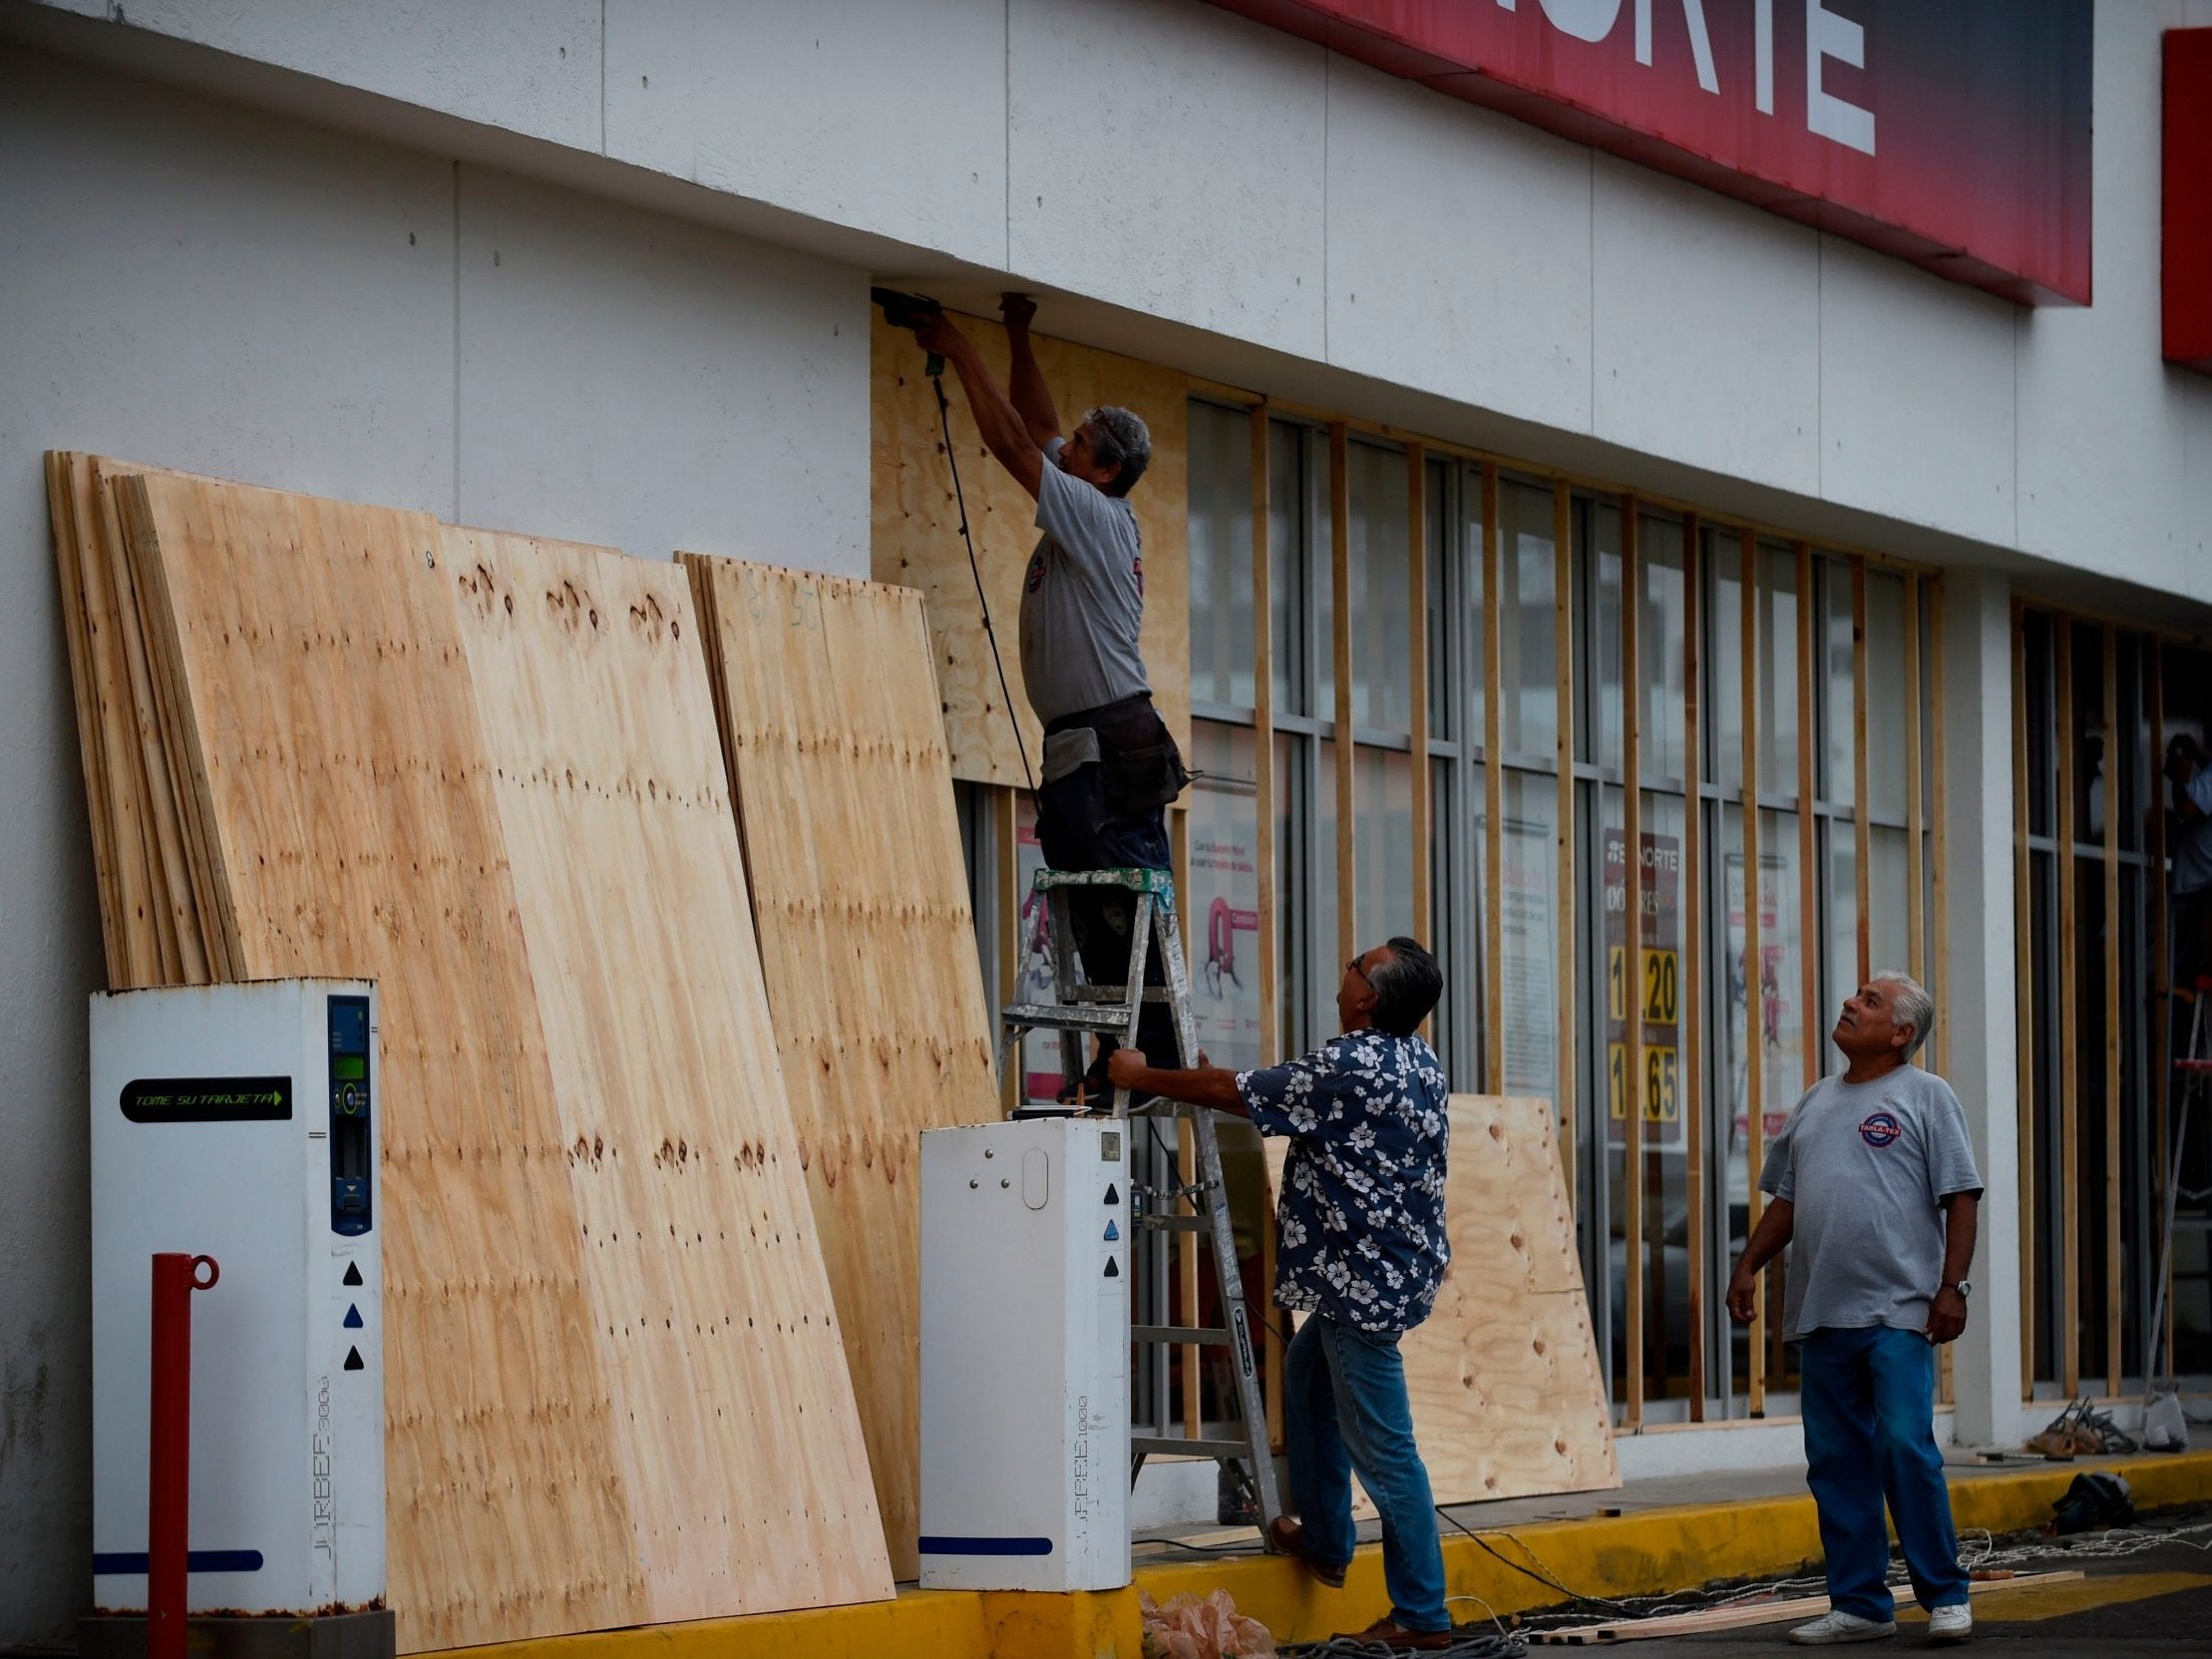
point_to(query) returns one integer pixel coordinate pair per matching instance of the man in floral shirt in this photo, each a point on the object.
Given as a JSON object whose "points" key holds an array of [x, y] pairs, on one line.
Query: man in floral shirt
{"points": [[1360, 1252]]}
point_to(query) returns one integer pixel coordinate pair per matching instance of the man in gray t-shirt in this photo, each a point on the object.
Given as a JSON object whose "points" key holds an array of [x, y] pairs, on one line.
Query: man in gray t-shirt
{"points": [[1109, 767], [1875, 1193]]}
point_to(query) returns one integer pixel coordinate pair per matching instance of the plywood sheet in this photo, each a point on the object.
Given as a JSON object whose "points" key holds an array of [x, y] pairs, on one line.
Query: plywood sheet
{"points": [[1507, 1397], [917, 541], [711, 1305], [836, 754], [351, 808]]}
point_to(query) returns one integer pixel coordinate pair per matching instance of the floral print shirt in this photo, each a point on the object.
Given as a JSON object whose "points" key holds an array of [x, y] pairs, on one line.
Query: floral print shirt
{"points": [[1362, 1217]]}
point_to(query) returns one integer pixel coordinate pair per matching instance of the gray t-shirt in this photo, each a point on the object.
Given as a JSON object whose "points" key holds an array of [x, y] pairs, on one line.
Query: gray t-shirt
{"points": [[1083, 601], [2192, 847], [1866, 1164]]}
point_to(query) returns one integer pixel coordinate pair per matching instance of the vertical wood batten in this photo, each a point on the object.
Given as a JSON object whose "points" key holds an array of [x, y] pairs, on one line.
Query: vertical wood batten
{"points": [[1339, 576], [1493, 785], [1916, 866], [1005, 817], [1563, 656], [2023, 1005], [2112, 1263], [1861, 829], [1691, 1029], [2161, 974], [1754, 981], [1940, 885], [1812, 939], [1263, 814], [1632, 949], [2070, 1164], [1416, 537]]}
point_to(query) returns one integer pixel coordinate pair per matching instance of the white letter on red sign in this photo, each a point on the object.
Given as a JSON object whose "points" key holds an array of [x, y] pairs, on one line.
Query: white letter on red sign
{"points": [[1700, 43], [1830, 36], [1590, 20]]}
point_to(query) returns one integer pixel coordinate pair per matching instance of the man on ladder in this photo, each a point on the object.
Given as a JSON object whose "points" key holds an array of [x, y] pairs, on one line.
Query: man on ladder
{"points": [[1363, 1251], [1110, 766]]}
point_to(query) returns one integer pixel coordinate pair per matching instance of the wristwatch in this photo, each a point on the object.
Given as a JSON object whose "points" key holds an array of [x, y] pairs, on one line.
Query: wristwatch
{"points": [[1965, 1288]]}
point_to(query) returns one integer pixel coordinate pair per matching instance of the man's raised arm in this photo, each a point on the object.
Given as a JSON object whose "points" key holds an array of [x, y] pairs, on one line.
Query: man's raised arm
{"points": [[1004, 432], [1026, 386]]}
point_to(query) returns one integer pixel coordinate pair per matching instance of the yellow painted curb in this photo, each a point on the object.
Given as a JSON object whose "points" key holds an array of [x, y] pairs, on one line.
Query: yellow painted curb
{"points": [[1648, 1552]]}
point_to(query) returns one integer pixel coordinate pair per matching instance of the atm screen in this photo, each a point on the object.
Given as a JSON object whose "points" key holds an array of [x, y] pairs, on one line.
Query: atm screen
{"points": [[349, 1069]]}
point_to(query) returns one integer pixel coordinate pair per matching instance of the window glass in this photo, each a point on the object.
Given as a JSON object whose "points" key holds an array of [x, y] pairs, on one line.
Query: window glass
{"points": [[1600, 572], [1288, 565], [1529, 907], [1528, 662], [1886, 711], [1323, 953], [1777, 689], [1661, 651], [1723, 658], [1839, 869], [1838, 782], [1223, 900], [1649, 992], [1321, 579], [1382, 844], [1220, 522], [1889, 894], [1468, 572], [1382, 590]]}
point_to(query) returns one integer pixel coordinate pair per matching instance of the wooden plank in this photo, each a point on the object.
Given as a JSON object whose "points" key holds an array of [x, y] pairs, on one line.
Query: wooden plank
{"points": [[916, 540], [1633, 1172], [2023, 1005], [860, 898], [1264, 819], [1861, 833], [1005, 813], [560, 1402], [1916, 824], [1813, 1044], [1416, 480], [2070, 1173], [2112, 1254], [1493, 785], [1749, 1615], [1940, 885], [1562, 658], [1507, 1392], [1339, 578], [1754, 979], [99, 812], [2161, 947], [1693, 925]]}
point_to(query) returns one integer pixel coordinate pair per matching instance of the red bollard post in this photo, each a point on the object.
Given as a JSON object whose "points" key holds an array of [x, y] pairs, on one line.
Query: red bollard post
{"points": [[168, 1471]]}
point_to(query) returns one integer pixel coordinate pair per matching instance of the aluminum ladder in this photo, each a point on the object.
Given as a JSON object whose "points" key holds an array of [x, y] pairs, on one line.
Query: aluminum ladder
{"points": [[1085, 1008]]}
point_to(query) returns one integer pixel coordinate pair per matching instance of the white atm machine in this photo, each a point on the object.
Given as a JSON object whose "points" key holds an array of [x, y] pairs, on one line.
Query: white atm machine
{"points": [[1025, 1265], [240, 1121]]}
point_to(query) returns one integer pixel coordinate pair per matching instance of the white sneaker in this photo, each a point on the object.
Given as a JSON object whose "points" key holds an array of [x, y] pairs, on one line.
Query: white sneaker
{"points": [[1949, 1624], [1834, 1627]]}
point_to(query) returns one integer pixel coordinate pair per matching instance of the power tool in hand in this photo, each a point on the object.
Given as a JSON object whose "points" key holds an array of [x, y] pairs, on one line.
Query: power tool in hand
{"points": [[910, 310]]}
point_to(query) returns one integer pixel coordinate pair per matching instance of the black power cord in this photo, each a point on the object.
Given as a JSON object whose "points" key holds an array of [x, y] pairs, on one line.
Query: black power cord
{"points": [[974, 569]]}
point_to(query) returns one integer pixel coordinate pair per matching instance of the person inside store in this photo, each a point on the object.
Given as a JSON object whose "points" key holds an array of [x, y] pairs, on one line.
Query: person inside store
{"points": [[1361, 1249], [1876, 1194], [1109, 767], [2188, 771]]}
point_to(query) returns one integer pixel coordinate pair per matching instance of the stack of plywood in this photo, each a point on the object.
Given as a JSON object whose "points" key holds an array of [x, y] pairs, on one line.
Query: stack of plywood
{"points": [[483, 770], [836, 754], [1507, 1394]]}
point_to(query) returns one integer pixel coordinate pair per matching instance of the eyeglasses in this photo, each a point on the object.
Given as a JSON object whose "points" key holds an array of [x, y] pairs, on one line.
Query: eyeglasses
{"points": [[1352, 967]]}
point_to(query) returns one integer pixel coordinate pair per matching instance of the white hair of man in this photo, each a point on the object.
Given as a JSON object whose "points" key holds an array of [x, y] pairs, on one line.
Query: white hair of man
{"points": [[1911, 1005]]}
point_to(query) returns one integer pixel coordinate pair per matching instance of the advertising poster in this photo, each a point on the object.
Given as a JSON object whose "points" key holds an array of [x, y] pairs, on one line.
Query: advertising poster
{"points": [[1645, 988], [1531, 988], [1224, 914], [1769, 1010]]}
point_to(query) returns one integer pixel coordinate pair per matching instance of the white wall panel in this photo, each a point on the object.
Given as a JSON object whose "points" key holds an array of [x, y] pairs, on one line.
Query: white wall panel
{"points": [[885, 117], [1706, 323], [1167, 157], [1458, 249], [531, 69], [1916, 393], [184, 283], [634, 380]]}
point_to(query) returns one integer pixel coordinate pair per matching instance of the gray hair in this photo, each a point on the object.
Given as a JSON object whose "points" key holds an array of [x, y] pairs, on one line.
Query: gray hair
{"points": [[1126, 439], [1913, 1006]]}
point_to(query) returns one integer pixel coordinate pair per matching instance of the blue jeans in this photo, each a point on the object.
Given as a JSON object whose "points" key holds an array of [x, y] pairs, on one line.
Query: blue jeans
{"points": [[1868, 1398], [1345, 1409]]}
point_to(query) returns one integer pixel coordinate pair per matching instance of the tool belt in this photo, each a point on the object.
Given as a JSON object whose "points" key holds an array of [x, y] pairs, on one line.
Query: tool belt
{"points": [[1140, 767]]}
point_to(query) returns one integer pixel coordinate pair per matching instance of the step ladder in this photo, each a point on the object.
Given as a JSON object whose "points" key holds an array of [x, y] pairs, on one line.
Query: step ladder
{"points": [[2194, 1070], [1085, 1009]]}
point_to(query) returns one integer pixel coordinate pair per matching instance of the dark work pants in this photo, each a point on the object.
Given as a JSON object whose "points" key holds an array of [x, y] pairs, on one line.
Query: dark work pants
{"points": [[1077, 832]]}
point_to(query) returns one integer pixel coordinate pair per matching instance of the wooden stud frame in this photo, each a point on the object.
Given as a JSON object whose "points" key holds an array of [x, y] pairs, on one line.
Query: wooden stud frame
{"points": [[2161, 959], [1562, 640], [1808, 857], [1416, 536], [1006, 816], [2069, 1170], [2023, 994], [1263, 800], [2109, 641], [1633, 1172], [1754, 979], [1861, 831], [1694, 912], [1339, 576], [1940, 887], [1493, 784]]}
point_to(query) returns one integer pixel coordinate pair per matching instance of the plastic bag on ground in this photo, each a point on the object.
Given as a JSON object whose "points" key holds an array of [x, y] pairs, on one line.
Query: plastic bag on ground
{"points": [[1187, 1628]]}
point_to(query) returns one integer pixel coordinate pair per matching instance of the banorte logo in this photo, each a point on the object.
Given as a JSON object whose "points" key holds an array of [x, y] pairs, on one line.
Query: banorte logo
{"points": [[1880, 1129]]}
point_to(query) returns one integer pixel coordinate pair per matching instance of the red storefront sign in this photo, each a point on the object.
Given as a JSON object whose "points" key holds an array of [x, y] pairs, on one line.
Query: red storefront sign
{"points": [[1951, 132], [2187, 267]]}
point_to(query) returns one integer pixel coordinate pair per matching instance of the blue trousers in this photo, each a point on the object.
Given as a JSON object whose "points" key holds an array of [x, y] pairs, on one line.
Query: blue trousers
{"points": [[1345, 1409], [1868, 1398]]}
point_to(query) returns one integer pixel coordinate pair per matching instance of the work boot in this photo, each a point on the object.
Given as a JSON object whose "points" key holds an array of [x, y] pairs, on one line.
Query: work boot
{"points": [[1287, 1537], [1393, 1634], [1838, 1626]]}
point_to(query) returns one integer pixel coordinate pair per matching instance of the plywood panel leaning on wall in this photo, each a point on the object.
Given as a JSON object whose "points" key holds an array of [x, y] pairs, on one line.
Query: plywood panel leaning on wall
{"points": [[837, 755], [916, 538], [357, 818], [711, 1305], [1507, 1397]]}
